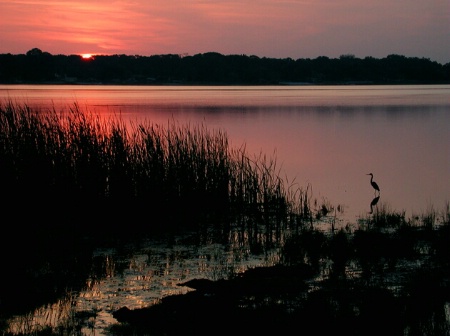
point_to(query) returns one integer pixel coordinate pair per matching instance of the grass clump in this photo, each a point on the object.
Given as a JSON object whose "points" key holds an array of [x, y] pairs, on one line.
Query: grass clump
{"points": [[73, 165], [75, 180], [73, 176]]}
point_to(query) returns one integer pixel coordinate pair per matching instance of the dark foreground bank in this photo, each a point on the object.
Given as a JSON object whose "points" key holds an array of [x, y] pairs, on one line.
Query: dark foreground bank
{"points": [[370, 282]]}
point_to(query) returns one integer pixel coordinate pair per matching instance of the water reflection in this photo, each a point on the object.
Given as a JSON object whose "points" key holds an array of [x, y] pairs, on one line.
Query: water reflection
{"points": [[373, 203], [400, 132], [50, 315], [324, 137], [142, 272]]}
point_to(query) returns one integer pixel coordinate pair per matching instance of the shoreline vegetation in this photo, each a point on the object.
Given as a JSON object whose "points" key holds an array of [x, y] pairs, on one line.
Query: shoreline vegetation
{"points": [[212, 68], [73, 181], [70, 156]]}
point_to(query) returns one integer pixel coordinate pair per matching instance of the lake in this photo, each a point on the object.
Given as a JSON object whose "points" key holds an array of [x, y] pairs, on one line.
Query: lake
{"points": [[326, 138]]}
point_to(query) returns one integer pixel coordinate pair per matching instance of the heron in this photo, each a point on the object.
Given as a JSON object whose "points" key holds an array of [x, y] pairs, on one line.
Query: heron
{"points": [[373, 183]]}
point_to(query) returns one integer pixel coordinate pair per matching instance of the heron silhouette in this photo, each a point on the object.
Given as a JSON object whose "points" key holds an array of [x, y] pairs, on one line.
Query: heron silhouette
{"points": [[374, 184]]}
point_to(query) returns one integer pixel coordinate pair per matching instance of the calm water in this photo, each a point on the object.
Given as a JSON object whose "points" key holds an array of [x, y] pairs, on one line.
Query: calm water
{"points": [[324, 137]]}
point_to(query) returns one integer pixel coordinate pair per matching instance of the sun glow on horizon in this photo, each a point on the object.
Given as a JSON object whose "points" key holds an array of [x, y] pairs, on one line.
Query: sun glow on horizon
{"points": [[297, 29]]}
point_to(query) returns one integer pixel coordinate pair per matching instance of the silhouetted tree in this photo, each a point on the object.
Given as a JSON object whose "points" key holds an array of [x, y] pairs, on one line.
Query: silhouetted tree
{"points": [[37, 66]]}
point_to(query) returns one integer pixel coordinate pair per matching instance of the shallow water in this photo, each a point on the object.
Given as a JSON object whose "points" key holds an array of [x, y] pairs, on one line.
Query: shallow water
{"points": [[141, 273]]}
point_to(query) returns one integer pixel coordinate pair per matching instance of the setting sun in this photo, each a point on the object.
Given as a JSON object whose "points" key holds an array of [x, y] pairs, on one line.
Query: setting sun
{"points": [[86, 56]]}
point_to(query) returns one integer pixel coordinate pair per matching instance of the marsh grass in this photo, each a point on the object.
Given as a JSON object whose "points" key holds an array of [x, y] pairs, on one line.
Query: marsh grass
{"points": [[80, 168], [85, 166], [72, 178], [389, 269], [376, 280]]}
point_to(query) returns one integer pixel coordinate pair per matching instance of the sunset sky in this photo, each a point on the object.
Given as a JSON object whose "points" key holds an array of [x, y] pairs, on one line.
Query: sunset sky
{"points": [[265, 28]]}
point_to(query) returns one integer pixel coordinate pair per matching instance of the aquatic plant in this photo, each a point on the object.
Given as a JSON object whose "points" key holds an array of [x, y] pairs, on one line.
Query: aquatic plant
{"points": [[73, 178], [85, 164]]}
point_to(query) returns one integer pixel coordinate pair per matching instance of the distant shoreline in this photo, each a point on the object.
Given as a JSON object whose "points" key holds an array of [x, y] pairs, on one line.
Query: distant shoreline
{"points": [[38, 67], [127, 83]]}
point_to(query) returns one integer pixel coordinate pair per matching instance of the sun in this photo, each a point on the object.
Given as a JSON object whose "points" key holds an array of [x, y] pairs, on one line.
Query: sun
{"points": [[86, 56]]}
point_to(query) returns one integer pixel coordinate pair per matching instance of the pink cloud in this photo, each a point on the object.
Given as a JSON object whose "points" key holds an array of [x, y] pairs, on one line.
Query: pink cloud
{"points": [[272, 28]]}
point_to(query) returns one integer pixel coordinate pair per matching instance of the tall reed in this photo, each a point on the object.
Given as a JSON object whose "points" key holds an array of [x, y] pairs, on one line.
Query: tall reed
{"points": [[85, 166]]}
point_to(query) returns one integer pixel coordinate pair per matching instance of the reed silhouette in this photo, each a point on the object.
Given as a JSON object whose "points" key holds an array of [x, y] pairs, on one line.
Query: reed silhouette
{"points": [[240, 203]]}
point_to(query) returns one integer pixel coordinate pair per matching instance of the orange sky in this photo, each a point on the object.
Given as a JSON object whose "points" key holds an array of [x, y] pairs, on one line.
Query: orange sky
{"points": [[265, 28]]}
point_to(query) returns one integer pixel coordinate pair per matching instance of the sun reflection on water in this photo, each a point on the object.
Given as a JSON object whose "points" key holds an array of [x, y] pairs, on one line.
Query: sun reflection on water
{"points": [[142, 277]]}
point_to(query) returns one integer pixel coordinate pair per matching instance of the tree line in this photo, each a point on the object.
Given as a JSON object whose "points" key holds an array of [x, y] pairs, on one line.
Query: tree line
{"points": [[37, 66]]}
